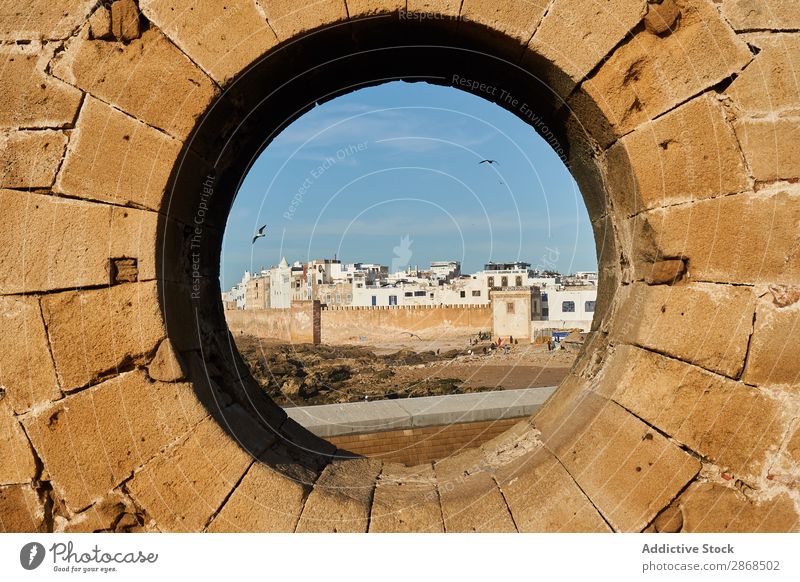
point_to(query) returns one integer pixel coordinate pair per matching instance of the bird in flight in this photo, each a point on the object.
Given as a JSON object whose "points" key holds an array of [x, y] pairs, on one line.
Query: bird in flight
{"points": [[491, 162], [260, 234], [413, 335]]}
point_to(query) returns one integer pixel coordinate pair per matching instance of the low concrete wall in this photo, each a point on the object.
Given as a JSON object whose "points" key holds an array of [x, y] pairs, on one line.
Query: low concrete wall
{"points": [[332, 420], [298, 324], [347, 324]]}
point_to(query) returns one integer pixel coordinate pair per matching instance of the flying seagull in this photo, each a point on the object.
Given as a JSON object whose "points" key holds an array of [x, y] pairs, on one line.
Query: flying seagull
{"points": [[261, 234], [488, 162], [413, 335]]}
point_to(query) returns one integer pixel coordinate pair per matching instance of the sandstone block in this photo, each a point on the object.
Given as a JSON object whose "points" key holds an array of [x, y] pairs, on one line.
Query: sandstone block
{"points": [[661, 17], [574, 36], [100, 24], [133, 234], [93, 440], [542, 496], [473, 503], [269, 498], [517, 20], [86, 346], [770, 361], [288, 18], [734, 425], [222, 37], [764, 87], [166, 367], [27, 375], [771, 148], [628, 470], [149, 78], [17, 464], [21, 510], [42, 19], [690, 153], [115, 158], [665, 272], [125, 25], [30, 159], [342, 497], [703, 323], [650, 74], [183, 489], [723, 239], [33, 99], [406, 501], [765, 14], [707, 507]]}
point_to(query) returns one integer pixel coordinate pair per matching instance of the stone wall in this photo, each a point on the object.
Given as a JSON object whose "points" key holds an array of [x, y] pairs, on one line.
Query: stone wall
{"points": [[126, 130], [348, 325], [298, 324]]}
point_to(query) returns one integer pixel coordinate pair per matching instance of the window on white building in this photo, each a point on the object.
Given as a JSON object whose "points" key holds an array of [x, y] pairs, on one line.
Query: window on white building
{"points": [[504, 281], [519, 282], [568, 307], [476, 293], [463, 294], [490, 281], [589, 306], [509, 307]]}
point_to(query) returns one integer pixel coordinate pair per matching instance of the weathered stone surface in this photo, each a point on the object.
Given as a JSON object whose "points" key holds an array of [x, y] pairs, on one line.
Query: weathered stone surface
{"points": [[49, 243], [115, 158], [703, 323], [17, 464], [32, 99], [543, 497], [764, 14], [289, 18], [269, 498], [86, 346], [441, 7], [473, 503], [734, 425], [27, 375], [771, 148], [149, 78], [42, 19], [125, 25], [112, 429], [665, 272], [771, 359], [362, 8], [724, 239], [406, 501], [222, 37], [661, 17], [517, 20], [182, 490], [575, 36], [784, 295], [21, 510], [628, 470], [649, 74], [166, 367], [707, 507], [342, 497], [764, 88], [100, 24], [113, 513], [690, 153], [30, 159], [123, 270]]}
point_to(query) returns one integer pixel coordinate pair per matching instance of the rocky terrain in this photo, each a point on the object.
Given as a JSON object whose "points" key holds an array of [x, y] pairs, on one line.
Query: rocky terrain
{"points": [[303, 374]]}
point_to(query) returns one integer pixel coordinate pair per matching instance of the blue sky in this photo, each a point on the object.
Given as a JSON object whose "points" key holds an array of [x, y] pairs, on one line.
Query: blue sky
{"points": [[356, 175]]}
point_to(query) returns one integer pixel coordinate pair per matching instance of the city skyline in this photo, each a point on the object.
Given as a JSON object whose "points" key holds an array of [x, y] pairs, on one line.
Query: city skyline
{"points": [[392, 174]]}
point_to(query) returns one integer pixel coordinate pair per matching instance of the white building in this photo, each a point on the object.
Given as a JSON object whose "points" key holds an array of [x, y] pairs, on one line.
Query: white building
{"points": [[570, 307]]}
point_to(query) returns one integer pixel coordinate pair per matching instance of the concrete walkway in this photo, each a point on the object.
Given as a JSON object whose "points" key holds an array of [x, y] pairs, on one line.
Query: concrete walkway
{"points": [[332, 420]]}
